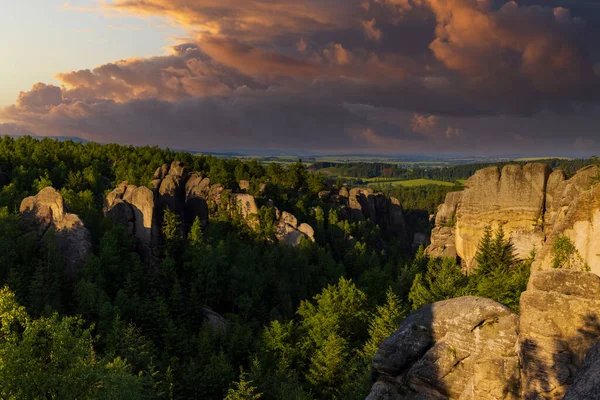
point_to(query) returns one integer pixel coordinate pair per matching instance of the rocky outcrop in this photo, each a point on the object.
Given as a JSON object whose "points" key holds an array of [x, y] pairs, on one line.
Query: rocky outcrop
{"points": [[473, 348], [289, 232], [442, 235], [191, 196], [513, 198], [360, 204], [462, 348], [585, 385], [560, 323], [136, 208], [47, 209], [535, 207]]}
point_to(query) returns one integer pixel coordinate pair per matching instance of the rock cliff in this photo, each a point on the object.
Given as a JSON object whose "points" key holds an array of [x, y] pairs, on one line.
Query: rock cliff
{"points": [[474, 348], [191, 196], [48, 211], [535, 207]]}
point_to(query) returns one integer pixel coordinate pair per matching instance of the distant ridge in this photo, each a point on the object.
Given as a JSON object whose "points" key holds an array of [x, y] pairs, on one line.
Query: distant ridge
{"points": [[75, 139]]}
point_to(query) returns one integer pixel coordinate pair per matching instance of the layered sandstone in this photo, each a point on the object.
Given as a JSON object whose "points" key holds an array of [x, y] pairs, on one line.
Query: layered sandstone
{"points": [[191, 196], [47, 209], [534, 206], [474, 348]]}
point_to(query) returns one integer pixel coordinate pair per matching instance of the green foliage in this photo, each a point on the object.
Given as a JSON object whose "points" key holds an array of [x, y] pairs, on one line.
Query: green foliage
{"points": [[499, 275], [303, 321], [52, 357], [566, 255], [385, 321], [442, 280], [243, 389]]}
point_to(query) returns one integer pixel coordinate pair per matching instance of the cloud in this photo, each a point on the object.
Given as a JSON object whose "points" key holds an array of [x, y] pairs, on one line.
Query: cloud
{"points": [[371, 31], [422, 123], [386, 75]]}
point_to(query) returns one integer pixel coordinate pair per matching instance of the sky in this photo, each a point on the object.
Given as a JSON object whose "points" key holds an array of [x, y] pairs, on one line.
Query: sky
{"points": [[327, 76]]}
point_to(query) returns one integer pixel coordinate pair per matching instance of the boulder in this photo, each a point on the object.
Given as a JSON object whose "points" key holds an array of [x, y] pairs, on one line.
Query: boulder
{"points": [[213, 319], [49, 211], [560, 323], [307, 230], [246, 205], [287, 234], [289, 219], [462, 348]]}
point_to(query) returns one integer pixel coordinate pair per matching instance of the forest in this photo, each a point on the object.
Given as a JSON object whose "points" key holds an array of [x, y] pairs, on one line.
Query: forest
{"points": [[447, 174], [300, 322]]}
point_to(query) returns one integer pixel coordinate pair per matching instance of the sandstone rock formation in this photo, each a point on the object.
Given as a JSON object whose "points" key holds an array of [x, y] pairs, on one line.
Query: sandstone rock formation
{"points": [[559, 324], [585, 385], [48, 210], [473, 348], [191, 196], [288, 232], [461, 348], [535, 208], [136, 208], [359, 204]]}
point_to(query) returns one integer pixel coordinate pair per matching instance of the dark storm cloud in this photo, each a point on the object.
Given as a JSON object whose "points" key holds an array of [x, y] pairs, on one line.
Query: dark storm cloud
{"points": [[382, 75]]}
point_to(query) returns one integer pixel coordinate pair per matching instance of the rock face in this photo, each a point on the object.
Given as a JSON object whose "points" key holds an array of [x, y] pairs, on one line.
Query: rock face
{"points": [[585, 385], [190, 196], [473, 348], [560, 323], [513, 197], [535, 208], [136, 208], [359, 204], [462, 348], [49, 211]]}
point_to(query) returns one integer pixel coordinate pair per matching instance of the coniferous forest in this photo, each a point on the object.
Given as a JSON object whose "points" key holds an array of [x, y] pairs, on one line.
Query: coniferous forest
{"points": [[288, 322]]}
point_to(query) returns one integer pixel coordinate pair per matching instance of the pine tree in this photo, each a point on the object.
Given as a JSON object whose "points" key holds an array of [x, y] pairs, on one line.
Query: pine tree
{"points": [[383, 323], [243, 389]]}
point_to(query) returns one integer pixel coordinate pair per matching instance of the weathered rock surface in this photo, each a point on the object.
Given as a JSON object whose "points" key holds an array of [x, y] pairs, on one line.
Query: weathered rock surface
{"points": [[136, 208], [513, 198], [246, 205], [359, 204], [473, 348], [191, 196], [213, 319], [585, 385], [560, 323], [534, 207], [48, 209], [462, 348]]}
